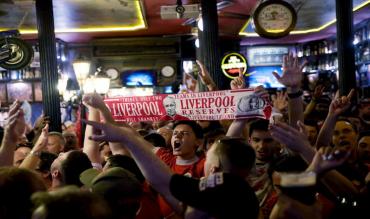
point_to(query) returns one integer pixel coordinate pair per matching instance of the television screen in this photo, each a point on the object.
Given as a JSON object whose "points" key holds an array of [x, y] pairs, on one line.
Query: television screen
{"points": [[266, 55], [262, 75], [139, 78]]}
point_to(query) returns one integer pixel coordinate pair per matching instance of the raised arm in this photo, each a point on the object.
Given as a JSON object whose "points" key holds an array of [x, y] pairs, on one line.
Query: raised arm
{"points": [[297, 141], [91, 148], [291, 79], [315, 96], [206, 78], [337, 106], [96, 102], [32, 159], [13, 130], [155, 171], [237, 126]]}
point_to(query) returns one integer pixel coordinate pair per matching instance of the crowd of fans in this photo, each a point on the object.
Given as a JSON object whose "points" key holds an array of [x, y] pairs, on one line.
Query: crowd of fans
{"points": [[310, 160]]}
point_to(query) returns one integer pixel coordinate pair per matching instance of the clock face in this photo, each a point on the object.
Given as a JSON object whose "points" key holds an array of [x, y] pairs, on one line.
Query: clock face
{"points": [[168, 71], [112, 73], [275, 18]]}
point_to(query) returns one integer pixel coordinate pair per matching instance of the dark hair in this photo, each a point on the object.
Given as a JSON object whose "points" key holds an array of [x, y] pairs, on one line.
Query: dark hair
{"points": [[235, 153], [260, 125], [1, 133], [71, 168], [46, 159], [214, 134], [288, 164], [311, 122], [155, 139], [24, 144], [212, 126], [198, 131], [363, 134], [16, 187], [70, 202], [126, 162]]}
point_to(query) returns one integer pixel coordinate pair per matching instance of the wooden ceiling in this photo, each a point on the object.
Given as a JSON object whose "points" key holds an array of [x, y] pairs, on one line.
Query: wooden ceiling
{"points": [[83, 20]]}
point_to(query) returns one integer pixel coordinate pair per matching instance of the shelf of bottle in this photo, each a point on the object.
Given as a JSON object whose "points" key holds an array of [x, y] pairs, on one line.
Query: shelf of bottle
{"points": [[20, 80], [366, 62], [318, 55], [362, 42]]}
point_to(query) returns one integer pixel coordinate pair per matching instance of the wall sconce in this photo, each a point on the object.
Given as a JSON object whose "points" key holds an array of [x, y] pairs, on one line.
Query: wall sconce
{"points": [[62, 83], [101, 81], [81, 67], [200, 24]]}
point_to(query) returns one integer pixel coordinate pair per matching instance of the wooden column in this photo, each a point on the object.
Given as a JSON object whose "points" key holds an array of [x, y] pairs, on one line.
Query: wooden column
{"points": [[209, 42], [346, 56], [48, 63]]}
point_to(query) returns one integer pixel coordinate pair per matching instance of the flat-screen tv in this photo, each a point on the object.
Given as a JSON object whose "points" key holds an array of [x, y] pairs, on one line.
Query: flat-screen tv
{"points": [[139, 78], [262, 75]]}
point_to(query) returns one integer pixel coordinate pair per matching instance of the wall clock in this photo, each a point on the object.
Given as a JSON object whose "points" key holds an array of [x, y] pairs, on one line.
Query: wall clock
{"points": [[274, 19], [167, 71], [112, 73]]}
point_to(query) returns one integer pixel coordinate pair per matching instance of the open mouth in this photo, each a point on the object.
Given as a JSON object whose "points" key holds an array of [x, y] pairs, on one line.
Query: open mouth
{"points": [[176, 144], [344, 143]]}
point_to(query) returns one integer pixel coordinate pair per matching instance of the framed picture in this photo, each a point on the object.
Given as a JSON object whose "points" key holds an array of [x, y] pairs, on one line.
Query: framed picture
{"points": [[19, 90], [3, 93], [37, 91]]}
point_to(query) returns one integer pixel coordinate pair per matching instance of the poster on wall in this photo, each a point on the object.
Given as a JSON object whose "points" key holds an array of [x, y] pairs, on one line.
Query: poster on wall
{"points": [[19, 91], [215, 105]]}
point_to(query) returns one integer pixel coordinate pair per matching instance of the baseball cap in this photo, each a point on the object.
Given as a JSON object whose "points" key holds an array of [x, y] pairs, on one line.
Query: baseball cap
{"points": [[120, 189], [113, 180], [222, 195]]}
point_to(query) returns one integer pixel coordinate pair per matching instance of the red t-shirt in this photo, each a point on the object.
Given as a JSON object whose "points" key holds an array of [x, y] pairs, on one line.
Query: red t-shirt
{"points": [[194, 169], [149, 205]]}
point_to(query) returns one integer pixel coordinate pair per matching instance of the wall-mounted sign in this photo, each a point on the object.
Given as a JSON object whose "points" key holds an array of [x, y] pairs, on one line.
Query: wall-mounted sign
{"points": [[233, 63]]}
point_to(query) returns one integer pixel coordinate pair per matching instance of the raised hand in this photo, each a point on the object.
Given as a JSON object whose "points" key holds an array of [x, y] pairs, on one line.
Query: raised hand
{"points": [[317, 93], [340, 104], [93, 100], [42, 141], [238, 82], [113, 133], [16, 125], [327, 158], [295, 140], [280, 100], [205, 77], [292, 72]]}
